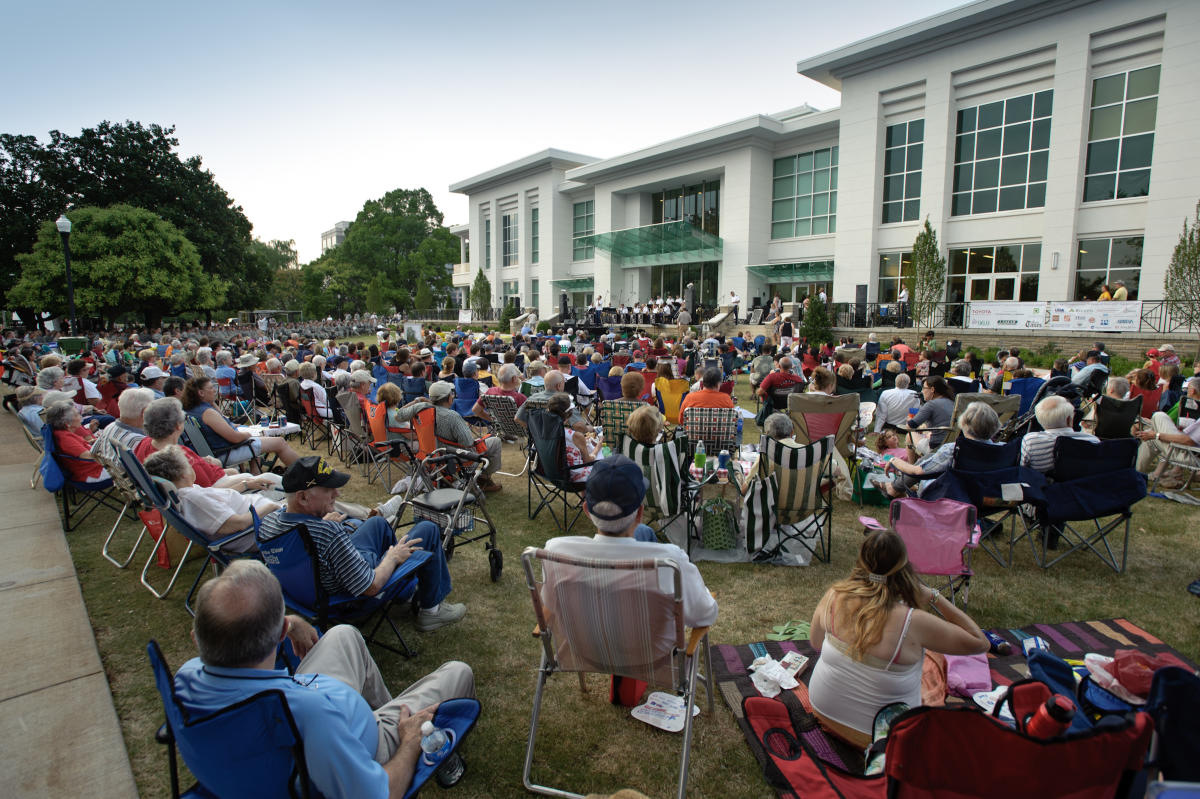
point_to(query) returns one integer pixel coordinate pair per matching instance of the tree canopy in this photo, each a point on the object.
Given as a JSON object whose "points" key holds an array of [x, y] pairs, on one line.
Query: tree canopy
{"points": [[1181, 285], [123, 259], [131, 164], [928, 282]]}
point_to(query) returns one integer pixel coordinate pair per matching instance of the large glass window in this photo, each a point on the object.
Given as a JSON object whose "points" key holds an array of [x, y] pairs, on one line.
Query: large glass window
{"points": [[533, 236], [509, 248], [487, 244], [1102, 262], [585, 225], [1121, 135], [903, 153], [671, 280], [533, 291], [698, 204], [512, 292], [804, 194], [994, 272], [1001, 155], [895, 269]]}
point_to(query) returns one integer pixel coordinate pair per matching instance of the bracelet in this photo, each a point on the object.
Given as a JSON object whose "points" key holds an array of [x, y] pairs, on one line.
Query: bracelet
{"points": [[1157, 436]]}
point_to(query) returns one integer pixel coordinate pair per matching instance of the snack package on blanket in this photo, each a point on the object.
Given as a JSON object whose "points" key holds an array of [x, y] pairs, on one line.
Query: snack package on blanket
{"points": [[967, 675], [769, 677], [1128, 675]]}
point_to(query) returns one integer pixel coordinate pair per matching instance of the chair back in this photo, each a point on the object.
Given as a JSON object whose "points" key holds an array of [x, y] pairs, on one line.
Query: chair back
{"points": [[621, 617], [983, 456], [376, 413], [818, 415], [121, 479], [424, 423], [288, 398], [665, 465], [548, 433], [670, 396], [1115, 418], [466, 394], [937, 534], [1077, 458], [151, 492], [352, 410], [413, 387], [226, 388], [196, 438], [800, 472], [614, 417], [716, 427], [1006, 408], [292, 558], [503, 411], [621, 359], [248, 750], [780, 394], [1026, 388], [586, 375], [609, 387]]}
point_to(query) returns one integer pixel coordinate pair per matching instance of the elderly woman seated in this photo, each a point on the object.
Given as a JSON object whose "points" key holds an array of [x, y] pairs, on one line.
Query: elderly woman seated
{"points": [[307, 373], [231, 445], [213, 511], [779, 426], [978, 422], [509, 377], [163, 423], [74, 441], [645, 425]]}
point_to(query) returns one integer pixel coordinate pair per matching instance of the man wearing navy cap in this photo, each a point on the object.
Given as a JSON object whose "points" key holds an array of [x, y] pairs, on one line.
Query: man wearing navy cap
{"points": [[615, 491]]}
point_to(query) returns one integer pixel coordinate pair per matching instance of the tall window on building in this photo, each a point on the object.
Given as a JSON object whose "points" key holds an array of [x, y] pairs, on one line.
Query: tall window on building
{"points": [[512, 292], [804, 194], [1105, 261], [533, 236], [994, 272], [509, 247], [698, 205], [904, 146], [895, 269], [1001, 155], [533, 291], [585, 225], [1121, 135], [487, 244]]}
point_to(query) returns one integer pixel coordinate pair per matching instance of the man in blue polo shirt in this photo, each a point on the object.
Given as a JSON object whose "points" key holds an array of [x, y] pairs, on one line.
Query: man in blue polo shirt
{"points": [[358, 740]]}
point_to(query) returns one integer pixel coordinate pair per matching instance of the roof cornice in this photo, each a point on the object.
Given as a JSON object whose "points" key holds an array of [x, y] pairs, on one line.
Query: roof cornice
{"points": [[549, 158]]}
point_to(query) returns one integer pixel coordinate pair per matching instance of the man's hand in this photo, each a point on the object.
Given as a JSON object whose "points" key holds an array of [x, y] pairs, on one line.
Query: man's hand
{"points": [[410, 723], [213, 461], [403, 548], [334, 516], [302, 635]]}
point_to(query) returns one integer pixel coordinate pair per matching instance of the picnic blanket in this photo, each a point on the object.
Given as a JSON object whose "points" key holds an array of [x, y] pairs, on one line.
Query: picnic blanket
{"points": [[1069, 640]]}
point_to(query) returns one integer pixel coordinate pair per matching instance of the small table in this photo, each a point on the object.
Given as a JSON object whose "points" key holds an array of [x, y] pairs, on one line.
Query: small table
{"points": [[258, 431]]}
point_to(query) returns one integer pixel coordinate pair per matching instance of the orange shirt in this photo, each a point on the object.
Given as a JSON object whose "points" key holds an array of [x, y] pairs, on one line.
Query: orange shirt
{"points": [[706, 398]]}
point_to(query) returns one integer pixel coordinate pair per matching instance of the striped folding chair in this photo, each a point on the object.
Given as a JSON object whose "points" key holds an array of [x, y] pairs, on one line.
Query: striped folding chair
{"points": [[789, 502], [665, 466]]}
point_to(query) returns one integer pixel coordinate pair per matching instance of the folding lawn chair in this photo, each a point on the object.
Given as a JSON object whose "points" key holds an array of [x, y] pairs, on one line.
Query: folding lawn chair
{"points": [[316, 428], [127, 489], [815, 416], [292, 557], [1006, 408], [609, 388], [36, 443], [670, 396], [503, 411], [557, 488], [353, 438], [1116, 418], [233, 404], [939, 537], [383, 451], [414, 388], [614, 617], [789, 501], [716, 427], [665, 465], [466, 394], [614, 419], [1091, 481], [79, 499], [1026, 388]]}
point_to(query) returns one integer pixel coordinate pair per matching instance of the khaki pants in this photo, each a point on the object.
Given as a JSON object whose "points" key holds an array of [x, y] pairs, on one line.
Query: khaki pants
{"points": [[342, 654], [1151, 451]]}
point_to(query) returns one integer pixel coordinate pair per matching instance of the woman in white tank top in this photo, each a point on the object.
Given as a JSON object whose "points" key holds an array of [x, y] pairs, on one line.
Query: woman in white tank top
{"points": [[872, 629]]}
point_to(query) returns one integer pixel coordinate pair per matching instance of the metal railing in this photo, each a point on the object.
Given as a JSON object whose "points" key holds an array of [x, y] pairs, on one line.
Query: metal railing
{"points": [[1161, 316], [1158, 316], [451, 314]]}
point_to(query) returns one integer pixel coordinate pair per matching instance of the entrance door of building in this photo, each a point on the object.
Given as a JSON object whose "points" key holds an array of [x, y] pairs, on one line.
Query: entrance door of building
{"points": [[994, 288]]}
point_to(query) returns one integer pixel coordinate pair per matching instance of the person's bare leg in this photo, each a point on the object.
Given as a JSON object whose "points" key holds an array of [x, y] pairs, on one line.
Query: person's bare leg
{"points": [[279, 447]]}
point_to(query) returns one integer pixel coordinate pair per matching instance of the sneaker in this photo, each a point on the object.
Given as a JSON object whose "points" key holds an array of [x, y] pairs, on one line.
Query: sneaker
{"points": [[389, 509], [446, 614]]}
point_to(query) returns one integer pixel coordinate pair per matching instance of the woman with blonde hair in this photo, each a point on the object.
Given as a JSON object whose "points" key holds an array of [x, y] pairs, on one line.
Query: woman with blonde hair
{"points": [[872, 630], [645, 425]]}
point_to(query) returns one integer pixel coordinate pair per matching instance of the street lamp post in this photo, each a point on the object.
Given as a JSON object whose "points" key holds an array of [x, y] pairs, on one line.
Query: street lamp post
{"points": [[64, 229]]}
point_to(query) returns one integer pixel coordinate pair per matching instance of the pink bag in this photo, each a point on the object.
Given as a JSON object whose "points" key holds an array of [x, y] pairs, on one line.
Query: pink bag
{"points": [[966, 675]]}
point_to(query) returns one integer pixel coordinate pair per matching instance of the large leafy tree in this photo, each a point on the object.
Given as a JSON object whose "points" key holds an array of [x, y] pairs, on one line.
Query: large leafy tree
{"points": [[399, 241], [123, 259], [133, 164], [1181, 286]]}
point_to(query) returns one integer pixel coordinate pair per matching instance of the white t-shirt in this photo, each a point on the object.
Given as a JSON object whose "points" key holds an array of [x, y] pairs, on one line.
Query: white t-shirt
{"points": [[207, 509]]}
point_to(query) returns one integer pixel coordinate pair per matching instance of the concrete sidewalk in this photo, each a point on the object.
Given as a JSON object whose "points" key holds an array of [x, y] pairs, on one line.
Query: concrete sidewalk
{"points": [[59, 732]]}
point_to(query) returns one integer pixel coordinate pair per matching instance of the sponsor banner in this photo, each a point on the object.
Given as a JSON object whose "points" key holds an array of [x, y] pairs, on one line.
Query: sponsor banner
{"points": [[1007, 315], [1123, 317], [466, 316]]}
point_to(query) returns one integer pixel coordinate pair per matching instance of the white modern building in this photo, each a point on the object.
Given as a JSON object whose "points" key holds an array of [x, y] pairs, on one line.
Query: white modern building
{"points": [[334, 236], [1050, 143]]}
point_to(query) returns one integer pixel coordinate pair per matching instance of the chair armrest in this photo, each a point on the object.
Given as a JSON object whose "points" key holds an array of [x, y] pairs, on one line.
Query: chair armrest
{"points": [[405, 569], [694, 639]]}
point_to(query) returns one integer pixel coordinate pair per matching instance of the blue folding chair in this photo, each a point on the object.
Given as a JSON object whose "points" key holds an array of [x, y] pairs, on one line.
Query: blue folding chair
{"points": [[292, 558], [87, 497], [609, 387], [160, 494], [1026, 388], [413, 387], [466, 394]]}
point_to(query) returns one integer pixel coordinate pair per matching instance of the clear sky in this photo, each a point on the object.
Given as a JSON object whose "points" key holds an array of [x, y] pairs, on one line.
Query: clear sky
{"points": [[305, 110]]}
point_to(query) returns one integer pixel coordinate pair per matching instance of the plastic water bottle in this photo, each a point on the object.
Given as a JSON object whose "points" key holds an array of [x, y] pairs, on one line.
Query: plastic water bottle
{"points": [[435, 743], [700, 456], [1052, 718], [605, 452]]}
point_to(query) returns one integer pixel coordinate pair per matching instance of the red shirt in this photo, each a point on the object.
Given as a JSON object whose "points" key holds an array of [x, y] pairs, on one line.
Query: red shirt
{"points": [[706, 398], [517, 396], [206, 473], [73, 443], [779, 380]]}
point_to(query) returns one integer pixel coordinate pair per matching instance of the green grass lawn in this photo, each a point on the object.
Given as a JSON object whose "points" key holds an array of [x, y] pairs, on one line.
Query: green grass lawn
{"points": [[588, 744]]}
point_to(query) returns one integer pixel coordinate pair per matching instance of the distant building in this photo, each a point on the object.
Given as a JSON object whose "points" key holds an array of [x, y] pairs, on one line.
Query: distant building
{"points": [[334, 237]]}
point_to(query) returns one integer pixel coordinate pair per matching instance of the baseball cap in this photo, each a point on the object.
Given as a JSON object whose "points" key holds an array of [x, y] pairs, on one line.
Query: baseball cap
{"points": [[117, 371], [361, 376], [620, 481], [1152, 353], [152, 373], [311, 471], [440, 390]]}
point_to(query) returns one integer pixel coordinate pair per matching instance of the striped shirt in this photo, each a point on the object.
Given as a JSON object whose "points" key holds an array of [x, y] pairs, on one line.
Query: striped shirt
{"points": [[343, 568], [1037, 449]]}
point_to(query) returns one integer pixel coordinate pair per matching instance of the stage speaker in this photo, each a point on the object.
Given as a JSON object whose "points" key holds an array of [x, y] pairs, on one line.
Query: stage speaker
{"points": [[563, 312], [860, 305], [689, 301]]}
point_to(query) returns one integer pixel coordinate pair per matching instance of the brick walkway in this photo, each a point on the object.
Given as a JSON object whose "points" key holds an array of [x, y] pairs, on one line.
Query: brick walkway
{"points": [[58, 728]]}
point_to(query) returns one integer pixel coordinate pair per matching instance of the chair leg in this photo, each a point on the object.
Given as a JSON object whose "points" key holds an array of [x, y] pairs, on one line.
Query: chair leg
{"points": [[113, 532], [153, 557], [686, 754], [36, 477], [543, 674]]}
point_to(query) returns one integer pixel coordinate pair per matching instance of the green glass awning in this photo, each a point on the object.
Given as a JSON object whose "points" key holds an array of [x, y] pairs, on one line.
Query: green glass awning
{"points": [[575, 284], [806, 272], [655, 245]]}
